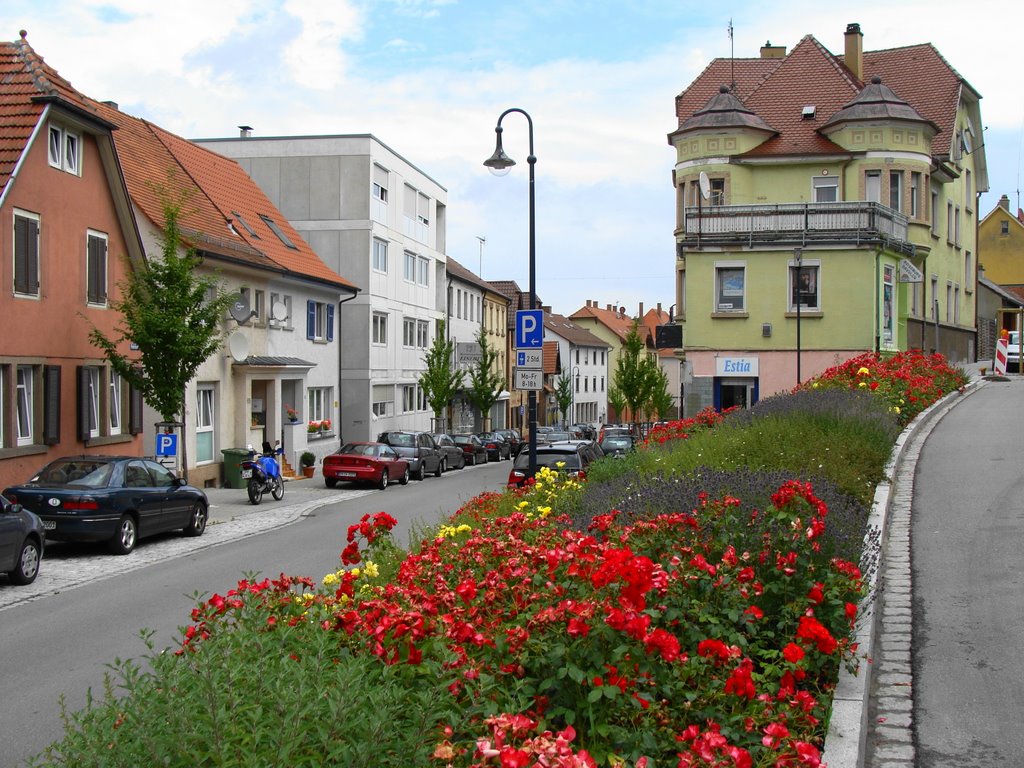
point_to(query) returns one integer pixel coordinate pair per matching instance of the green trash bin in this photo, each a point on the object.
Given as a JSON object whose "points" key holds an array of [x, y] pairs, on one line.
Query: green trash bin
{"points": [[233, 458]]}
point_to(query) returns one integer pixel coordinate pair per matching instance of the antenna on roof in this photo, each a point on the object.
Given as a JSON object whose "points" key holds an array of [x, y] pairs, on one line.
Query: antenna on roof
{"points": [[732, 57]]}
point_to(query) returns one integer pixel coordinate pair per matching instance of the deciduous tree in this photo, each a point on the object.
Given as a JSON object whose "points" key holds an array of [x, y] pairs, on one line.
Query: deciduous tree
{"points": [[172, 315], [485, 383], [441, 379]]}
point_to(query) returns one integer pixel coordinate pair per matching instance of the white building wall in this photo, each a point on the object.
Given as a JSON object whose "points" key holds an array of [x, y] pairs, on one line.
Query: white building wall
{"points": [[325, 186], [590, 400]]}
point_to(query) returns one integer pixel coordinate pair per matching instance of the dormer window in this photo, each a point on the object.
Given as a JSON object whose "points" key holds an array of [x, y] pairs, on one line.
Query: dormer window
{"points": [[64, 150], [808, 112]]}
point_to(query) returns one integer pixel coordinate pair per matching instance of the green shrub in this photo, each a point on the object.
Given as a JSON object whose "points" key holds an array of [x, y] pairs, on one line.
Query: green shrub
{"points": [[257, 695]]}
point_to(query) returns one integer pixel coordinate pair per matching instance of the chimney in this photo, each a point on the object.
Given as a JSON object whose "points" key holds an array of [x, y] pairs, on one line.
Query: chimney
{"points": [[855, 50], [1004, 203], [659, 310], [245, 131], [769, 51], [641, 310], [111, 104], [608, 307]]}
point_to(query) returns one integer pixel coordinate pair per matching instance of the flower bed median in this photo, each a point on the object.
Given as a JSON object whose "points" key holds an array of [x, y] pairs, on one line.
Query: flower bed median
{"points": [[533, 629]]}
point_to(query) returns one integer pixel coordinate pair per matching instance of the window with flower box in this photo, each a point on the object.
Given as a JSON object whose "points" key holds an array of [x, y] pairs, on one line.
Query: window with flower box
{"points": [[320, 406]]}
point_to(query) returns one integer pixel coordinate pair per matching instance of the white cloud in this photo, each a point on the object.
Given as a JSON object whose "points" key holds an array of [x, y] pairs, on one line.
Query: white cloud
{"points": [[315, 58]]}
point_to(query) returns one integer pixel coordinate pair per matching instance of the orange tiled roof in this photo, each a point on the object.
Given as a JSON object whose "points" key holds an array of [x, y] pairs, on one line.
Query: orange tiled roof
{"points": [[214, 190], [919, 74], [550, 361], [575, 334], [29, 83], [618, 322], [808, 75], [778, 89], [749, 73]]}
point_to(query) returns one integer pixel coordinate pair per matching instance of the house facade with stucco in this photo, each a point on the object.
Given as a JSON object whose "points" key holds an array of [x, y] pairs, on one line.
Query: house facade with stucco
{"points": [[826, 205]]}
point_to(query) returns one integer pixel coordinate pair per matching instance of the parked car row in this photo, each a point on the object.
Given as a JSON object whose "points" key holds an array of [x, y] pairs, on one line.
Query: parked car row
{"points": [[398, 455]]}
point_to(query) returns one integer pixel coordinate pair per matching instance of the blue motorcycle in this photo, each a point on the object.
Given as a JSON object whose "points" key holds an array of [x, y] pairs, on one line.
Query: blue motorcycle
{"points": [[263, 474]]}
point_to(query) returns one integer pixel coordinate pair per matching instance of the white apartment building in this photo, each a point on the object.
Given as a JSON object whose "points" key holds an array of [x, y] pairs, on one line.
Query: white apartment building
{"points": [[584, 359], [374, 217]]}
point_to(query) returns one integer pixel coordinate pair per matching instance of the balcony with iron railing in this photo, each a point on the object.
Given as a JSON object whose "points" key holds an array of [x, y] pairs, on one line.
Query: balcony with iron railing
{"points": [[853, 223]]}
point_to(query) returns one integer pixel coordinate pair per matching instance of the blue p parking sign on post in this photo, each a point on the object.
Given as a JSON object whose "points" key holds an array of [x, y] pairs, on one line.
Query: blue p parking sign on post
{"points": [[529, 328], [166, 444]]}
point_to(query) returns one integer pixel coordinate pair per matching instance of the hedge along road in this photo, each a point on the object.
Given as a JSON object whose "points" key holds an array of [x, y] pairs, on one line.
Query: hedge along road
{"points": [[61, 643]]}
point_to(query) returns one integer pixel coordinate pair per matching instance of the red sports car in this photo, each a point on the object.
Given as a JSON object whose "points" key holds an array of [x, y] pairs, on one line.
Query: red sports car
{"points": [[365, 463]]}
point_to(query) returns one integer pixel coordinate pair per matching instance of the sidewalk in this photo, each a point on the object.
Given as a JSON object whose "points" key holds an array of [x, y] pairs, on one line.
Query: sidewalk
{"points": [[227, 504], [231, 517]]}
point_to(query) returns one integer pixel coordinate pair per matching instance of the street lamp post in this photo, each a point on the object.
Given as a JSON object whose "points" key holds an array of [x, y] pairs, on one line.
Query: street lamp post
{"points": [[798, 257], [499, 163]]}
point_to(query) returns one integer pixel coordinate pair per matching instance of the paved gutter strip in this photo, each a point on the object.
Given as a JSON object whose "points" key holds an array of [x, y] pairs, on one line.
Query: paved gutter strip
{"points": [[884, 685]]}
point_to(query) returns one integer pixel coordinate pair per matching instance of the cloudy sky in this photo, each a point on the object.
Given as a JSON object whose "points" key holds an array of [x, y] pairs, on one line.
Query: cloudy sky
{"points": [[430, 77]]}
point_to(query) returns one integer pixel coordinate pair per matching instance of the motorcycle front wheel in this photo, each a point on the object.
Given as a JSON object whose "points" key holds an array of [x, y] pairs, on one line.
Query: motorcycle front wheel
{"points": [[278, 489], [255, 489]]}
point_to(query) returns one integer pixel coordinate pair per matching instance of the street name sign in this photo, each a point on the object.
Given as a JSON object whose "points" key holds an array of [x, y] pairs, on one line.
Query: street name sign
{"points": [[529, 328], [527, 378], [529, 358]]}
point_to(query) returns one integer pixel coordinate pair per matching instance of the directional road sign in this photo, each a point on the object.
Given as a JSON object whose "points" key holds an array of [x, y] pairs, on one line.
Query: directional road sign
{"points": [[529, 328]]}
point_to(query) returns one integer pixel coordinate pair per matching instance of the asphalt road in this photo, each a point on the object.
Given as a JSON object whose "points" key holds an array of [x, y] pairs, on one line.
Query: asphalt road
{"points": [[61, 643], [967, 556]]}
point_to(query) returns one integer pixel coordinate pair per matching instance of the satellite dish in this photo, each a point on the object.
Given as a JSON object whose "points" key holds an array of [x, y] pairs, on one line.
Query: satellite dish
{"points": [[705, 185], [279, 311], [238, 346], [240, 310]]}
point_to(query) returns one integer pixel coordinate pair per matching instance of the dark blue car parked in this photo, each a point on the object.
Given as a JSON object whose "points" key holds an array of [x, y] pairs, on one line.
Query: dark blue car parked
{"points": [[117, 499]]}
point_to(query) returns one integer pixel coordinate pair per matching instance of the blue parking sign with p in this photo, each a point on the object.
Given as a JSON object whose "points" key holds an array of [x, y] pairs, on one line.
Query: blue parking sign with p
{"points": [[166, 444], [529, 328]]}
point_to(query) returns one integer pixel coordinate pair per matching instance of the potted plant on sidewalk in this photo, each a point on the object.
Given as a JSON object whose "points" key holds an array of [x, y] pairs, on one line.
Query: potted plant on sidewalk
{"points": [[307, 460]]}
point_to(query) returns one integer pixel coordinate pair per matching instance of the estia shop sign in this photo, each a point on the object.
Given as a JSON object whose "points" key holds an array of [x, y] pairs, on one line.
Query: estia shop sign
{"points": [[736, 366]]}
